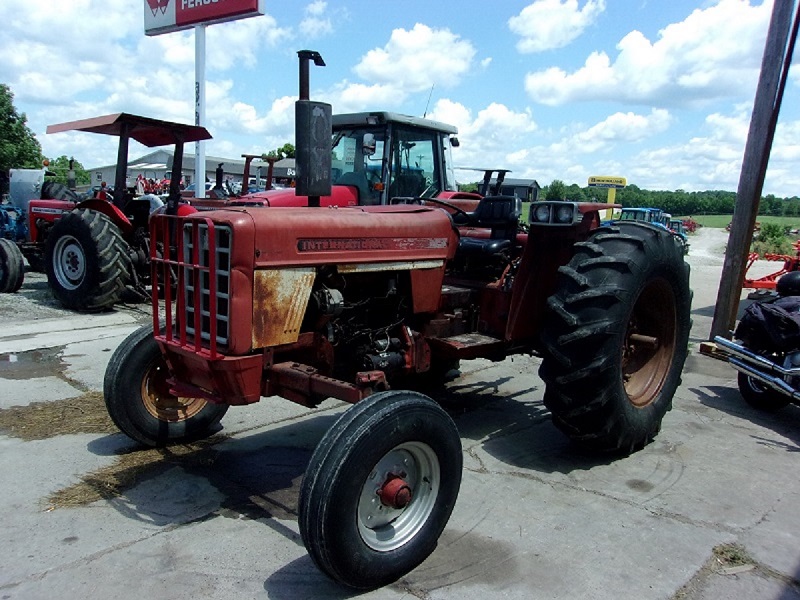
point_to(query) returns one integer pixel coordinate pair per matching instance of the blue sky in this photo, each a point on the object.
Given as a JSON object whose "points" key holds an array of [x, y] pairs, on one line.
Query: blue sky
{"points": [[658, 92]]}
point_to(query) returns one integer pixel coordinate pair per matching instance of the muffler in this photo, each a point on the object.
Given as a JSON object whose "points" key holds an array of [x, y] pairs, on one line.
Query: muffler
{"points": [[759, 368]]}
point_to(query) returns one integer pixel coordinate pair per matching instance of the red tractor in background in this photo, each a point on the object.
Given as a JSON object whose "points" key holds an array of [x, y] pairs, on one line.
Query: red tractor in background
{"points": [[92, 250]]}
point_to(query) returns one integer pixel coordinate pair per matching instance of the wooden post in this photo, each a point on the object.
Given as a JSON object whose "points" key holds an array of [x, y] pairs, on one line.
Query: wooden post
{"points": [[769, 93]]}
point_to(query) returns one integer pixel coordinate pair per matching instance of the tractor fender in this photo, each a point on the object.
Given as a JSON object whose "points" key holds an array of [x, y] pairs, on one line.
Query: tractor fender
{"points": [[112, 212]]}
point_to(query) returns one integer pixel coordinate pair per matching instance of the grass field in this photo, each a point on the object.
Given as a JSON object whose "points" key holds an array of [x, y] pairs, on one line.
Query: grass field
{"points": [[721, 221]]}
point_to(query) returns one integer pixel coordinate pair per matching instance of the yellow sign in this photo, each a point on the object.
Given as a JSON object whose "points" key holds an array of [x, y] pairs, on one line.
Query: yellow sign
{"points": [[607, 182]]}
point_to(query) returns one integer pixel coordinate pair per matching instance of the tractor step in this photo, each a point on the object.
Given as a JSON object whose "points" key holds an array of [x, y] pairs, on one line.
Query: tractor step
{"points": [[468, 345]]}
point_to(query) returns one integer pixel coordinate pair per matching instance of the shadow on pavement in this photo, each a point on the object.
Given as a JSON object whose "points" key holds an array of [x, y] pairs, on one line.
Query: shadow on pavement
{"points": [[785, 422]]}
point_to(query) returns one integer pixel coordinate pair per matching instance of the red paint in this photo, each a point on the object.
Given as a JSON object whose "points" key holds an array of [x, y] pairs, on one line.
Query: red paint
{"points": [[192, 12], [395, 493]]}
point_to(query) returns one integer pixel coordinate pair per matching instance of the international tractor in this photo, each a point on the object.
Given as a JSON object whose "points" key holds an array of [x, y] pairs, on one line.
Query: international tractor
{"points": [[365, 303], [380, 283]]}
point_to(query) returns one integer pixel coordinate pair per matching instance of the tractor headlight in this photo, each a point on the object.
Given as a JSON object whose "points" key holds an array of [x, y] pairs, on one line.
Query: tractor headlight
{"points": [[542, 213], [564, 213], [560, 213]]}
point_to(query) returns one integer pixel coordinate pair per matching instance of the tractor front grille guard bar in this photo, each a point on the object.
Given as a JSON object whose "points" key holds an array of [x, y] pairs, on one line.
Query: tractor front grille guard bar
{"points": [[191, 268]]}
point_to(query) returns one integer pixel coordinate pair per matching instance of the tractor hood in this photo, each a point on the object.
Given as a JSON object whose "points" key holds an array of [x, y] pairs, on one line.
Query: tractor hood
{"points": [[341, 195]]}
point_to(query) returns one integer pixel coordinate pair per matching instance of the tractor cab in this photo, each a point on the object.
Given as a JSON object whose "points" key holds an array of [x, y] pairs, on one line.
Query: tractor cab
{"points": [[377, 156], [646, 215]]}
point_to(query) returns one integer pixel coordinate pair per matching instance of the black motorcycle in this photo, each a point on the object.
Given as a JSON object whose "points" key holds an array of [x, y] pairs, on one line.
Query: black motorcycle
{"points": [[766, 348]]}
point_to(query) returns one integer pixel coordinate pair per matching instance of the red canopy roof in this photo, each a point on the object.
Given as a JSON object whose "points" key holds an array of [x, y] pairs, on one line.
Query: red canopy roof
{"points": [[147, 131]]}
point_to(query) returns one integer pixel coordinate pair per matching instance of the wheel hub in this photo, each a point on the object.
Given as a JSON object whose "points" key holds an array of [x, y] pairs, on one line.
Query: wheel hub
{"points": [[650, 343], [69, 263], [162, 404], [395, 492], [398, 496]]}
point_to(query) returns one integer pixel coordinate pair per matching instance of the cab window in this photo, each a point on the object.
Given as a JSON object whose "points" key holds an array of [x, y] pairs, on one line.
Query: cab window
{"points": [[414, 169]]}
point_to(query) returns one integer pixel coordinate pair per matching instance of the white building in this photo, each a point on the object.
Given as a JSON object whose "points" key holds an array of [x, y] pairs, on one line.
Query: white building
{"points": [[158, 165]]}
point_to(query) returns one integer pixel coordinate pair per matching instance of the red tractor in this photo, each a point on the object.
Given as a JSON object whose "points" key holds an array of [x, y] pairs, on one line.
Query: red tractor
{"points": [[363, 303], [93, 249]]}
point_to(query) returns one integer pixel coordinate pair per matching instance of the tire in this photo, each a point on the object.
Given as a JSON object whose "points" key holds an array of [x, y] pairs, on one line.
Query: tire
{"points": [[389, 440], [87, 261], [616, 336], [58, 191], [760, 396], [12, 267], [138, 400]]}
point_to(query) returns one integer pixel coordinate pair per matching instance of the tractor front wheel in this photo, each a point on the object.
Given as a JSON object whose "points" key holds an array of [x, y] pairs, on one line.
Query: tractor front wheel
{"points": [[380, 488], [87, 261], [616, 337], [139, 402], [12, 267]]}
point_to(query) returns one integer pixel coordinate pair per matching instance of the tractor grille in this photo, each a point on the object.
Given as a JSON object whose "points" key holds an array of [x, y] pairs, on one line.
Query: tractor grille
{"points": [[207, 281], [194, 280]]}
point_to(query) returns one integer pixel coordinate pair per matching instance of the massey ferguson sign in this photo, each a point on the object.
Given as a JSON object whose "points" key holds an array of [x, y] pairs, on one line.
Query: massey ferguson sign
{"points": [[165, 16]]}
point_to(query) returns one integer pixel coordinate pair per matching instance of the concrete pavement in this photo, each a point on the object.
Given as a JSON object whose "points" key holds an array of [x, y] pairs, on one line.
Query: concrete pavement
{"points": [[708, 510]]}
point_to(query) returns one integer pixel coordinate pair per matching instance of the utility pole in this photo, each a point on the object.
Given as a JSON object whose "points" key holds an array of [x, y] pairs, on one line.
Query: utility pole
{"points": [[769, 94]]}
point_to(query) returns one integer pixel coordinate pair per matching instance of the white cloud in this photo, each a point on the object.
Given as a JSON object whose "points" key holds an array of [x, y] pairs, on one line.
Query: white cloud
{"points": [[549, 24], [417, 59], [353, 97], [713, 53], [494, 133], [411, 62], [315, 23], [620, 128]]}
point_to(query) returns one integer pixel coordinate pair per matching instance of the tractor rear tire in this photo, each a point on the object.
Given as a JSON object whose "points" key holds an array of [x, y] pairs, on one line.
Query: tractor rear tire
{"points": [[58, 191], [616, 336], [380, 488], [12, 267], [139, 402], [87, 261]]}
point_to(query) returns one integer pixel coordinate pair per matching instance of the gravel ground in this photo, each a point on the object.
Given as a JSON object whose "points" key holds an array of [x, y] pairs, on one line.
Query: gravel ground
{"points": [[34, 302]]}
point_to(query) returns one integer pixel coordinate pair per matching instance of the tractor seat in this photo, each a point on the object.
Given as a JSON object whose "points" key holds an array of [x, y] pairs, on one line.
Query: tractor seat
{"points": [[501, 215]]}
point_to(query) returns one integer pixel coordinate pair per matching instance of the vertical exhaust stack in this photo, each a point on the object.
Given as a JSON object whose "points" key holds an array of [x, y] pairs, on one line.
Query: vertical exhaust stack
{"points": [[312, 133]]}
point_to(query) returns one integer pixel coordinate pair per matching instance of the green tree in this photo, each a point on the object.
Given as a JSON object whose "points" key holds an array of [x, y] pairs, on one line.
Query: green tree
{"points": [[772, 238], [575, 193], [285, 151], [556, 190], [19, 147], [60, 166]]}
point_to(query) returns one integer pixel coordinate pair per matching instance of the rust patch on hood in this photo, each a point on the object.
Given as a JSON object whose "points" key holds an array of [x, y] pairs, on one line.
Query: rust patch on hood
{"points": [[280, 298]]}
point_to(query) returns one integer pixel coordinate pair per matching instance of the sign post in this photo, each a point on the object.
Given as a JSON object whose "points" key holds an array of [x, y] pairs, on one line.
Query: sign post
{"points": [[612, 184], [199, 108], [166, 16]]}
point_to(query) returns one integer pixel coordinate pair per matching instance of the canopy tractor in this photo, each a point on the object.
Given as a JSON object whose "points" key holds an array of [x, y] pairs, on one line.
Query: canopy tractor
{"points": [[377, 156], [91, 250]]}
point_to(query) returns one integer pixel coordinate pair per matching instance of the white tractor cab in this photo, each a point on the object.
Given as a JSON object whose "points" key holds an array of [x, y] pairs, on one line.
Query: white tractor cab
{"points": [[377, 156]]}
